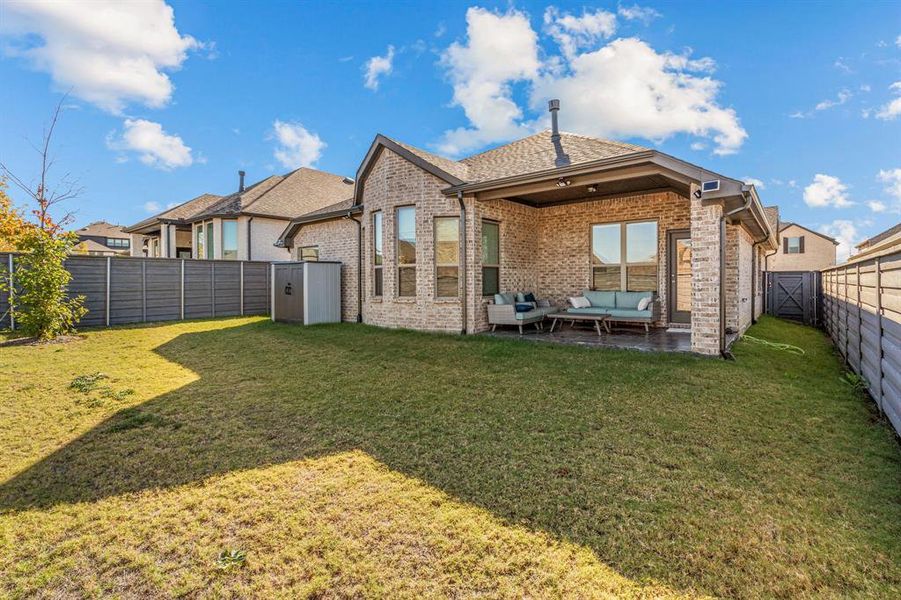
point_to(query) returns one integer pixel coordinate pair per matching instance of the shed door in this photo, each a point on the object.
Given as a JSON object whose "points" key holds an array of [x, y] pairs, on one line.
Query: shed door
{"points": [[289, 293]]}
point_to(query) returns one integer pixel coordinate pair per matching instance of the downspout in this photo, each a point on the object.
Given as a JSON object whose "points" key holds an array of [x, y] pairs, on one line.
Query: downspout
{"points": [[359, 266], [249, 232], [463, 258], [745, 206]]}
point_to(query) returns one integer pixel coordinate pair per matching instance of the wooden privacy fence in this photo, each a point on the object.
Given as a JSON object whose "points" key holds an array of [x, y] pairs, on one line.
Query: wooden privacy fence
{"points": [[119, 290], [862, 313]]}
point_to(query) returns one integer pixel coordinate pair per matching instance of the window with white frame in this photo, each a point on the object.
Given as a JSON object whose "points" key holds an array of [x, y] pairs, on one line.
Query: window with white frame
{"points": [[377, 254], [491, 258], [405, 227], [230, 239], [447, 257]]}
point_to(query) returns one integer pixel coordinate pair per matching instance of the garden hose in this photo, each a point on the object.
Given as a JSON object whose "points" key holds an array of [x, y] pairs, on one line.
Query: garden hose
{"points": [[776, 345]]}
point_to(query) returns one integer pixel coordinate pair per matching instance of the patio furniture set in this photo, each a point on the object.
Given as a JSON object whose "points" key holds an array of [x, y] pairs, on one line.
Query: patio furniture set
{"points": [[599, 308]]}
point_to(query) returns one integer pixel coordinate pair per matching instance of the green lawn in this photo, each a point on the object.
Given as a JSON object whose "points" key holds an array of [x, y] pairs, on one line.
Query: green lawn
{"points": [[349, 461]]}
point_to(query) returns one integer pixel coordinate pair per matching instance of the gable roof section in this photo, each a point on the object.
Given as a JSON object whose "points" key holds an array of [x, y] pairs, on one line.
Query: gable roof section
{"points": [[537, 153], [178, 213], [102, 229], [783, 226]]}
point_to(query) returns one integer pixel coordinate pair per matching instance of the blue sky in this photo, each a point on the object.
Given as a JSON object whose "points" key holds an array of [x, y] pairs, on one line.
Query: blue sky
{"points": [[168, 101]]}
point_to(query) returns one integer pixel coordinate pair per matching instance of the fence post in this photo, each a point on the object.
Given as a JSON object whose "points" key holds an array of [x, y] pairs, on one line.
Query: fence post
{"points": [[242, 286], [845, 270], [879, 329], [143, 290], [109, 261], [182, 289], [270, 275], [12, 291], [859, 324], [213, 287]]}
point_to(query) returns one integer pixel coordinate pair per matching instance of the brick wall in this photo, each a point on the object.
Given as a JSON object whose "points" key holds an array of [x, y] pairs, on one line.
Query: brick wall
{"points": [[393, 182], [705, 276], [336, 240]]}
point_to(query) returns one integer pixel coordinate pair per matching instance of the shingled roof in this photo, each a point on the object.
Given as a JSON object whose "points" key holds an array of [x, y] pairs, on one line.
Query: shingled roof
{"points": [[102, 229], [526, 155], [537, 153], [181, 212]]}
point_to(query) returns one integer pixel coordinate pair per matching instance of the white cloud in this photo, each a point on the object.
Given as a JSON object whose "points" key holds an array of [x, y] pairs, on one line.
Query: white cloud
{"points": [[698, 145], [842, 97], [877, 206], [792, 183], [826, 190], [892, 180], [155, 147], [572, 33], [758, 183], [865, 87], [298, 147], [640, 13], [891, 110], [898, 41], [376, 67], [152, 207], [845, 233], [106, 52], [622, 89], [626, 88], [500, 49]]}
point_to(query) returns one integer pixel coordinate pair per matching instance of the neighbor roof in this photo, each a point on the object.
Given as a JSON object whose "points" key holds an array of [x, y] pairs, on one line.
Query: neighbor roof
{"points": [[177, 213], [879, 237], [92, 246], [102, 229], [772, 216], [783, 226]]}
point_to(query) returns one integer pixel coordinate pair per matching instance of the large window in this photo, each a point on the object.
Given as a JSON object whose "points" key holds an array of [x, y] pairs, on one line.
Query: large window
{"points": [[118, 243], [447, 257], [624, 256], [406, 251], [209, 240], [378, 256], [230, 239], [309, 253], [199, 237], [491, 258]]}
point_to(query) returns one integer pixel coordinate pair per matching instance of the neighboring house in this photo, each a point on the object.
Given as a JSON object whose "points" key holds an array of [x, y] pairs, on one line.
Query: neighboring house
{"points": [[240, 226], [802, 249], [867, 246], [551, 213], [103, 239]]}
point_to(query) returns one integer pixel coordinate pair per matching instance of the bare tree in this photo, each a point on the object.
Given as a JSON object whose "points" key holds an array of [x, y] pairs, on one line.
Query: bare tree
{"points": [[45, 195]]}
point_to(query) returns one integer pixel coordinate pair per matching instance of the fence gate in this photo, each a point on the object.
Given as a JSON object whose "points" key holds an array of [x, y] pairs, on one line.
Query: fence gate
{"points": [[794, 295]]}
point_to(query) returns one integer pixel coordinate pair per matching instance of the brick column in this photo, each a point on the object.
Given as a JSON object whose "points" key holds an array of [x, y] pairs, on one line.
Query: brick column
{"points": [[705, 276]]}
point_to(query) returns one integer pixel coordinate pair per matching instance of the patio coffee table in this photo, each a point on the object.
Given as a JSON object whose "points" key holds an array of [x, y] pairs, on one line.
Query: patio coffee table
{"points": [[599, 320]]}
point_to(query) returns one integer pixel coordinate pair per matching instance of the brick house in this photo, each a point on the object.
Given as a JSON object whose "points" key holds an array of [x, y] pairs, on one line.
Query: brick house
{"points": [[426, 241], [802, 249], [243, 225]]}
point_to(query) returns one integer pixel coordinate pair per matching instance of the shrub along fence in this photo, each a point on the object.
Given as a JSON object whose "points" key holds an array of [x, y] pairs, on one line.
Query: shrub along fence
{"points": [[121, 290], [862, 313]]}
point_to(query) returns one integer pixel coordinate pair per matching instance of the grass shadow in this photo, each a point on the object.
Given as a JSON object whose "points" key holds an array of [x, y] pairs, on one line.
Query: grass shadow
{"points": [[688, 471]]}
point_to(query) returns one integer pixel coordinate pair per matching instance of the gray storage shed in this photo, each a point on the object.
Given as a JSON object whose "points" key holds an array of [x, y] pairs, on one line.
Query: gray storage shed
{"points": [[306, 292]]}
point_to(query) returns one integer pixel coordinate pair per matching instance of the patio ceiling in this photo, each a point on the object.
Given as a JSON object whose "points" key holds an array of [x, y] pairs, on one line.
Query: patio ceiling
{"points": [[586, 188]]}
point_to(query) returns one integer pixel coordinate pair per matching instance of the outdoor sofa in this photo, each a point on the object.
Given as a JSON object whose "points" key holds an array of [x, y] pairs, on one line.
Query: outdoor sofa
{"points": [[504, 310], [621, 306]]}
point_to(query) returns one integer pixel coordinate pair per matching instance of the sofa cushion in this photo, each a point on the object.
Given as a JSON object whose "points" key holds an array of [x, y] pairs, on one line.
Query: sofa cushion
{"points": [[532, 315], [579, 302], [644, 303], [529, 297], [600, 298], [630, 299], [524, 306], [504, 299]]}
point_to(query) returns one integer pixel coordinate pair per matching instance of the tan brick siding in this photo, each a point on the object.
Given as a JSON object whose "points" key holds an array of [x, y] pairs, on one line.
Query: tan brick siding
{"points": [[393, 182], [705, 277], [336, 240], [738, 278], [819, 253]]}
